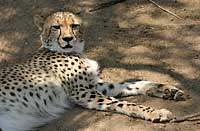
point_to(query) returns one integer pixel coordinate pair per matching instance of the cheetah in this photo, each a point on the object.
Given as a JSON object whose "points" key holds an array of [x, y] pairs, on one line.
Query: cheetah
{"points": [[59, 76]]}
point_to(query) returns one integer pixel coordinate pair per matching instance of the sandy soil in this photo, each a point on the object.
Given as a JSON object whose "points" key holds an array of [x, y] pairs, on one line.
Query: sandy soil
{"points": [[132, 40]]}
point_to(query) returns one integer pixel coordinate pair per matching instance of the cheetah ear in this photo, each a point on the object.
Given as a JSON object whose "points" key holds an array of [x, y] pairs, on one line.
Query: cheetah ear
{"points": [[39, 21]]}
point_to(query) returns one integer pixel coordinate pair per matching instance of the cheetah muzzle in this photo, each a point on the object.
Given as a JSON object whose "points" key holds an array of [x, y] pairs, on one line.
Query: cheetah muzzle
{"points": [[38, 91]]}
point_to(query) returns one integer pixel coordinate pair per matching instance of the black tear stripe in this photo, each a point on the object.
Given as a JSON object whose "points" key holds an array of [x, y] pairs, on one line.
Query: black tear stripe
{"points": [[74, 35], [48, 40], [48, 35], [59, 36]]}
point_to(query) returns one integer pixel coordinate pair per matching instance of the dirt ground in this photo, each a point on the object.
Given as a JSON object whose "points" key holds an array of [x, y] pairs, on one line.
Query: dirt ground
{"points": [[131, 40]]}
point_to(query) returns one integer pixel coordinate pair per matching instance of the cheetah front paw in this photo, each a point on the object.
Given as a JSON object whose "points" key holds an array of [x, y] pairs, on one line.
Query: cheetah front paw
{"points": [[161, 115]]}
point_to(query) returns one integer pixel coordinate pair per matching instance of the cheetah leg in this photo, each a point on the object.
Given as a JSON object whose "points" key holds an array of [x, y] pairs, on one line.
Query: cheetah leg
{"points": [[95, 100], [140, 88]]}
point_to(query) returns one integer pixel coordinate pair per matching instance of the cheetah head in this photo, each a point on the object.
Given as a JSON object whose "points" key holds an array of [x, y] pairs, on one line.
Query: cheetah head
{"points": [[61, 32]]}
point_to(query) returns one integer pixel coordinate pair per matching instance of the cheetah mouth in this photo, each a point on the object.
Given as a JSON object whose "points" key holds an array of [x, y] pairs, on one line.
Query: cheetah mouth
{"points": [[67, 46]]}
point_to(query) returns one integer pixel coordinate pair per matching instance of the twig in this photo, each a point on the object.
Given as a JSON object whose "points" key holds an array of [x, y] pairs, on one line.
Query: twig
{"points": [[114, 2], [106, 4], [165, 10], [185, 118]]}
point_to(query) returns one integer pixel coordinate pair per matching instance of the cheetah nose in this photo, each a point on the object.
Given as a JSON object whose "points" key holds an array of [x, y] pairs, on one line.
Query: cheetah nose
{"points": [[67, 39]]}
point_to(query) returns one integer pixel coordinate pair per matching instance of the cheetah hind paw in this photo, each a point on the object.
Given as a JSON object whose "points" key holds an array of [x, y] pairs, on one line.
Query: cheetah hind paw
{"points": [[164, 91]]}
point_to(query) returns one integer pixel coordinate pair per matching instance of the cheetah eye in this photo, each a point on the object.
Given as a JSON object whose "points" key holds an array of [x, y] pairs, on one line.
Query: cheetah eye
{"points": [[75, 26], [56, 26]]}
